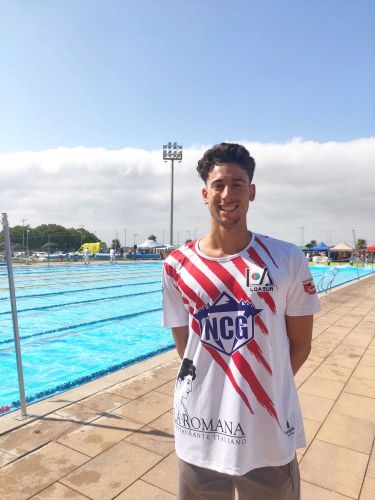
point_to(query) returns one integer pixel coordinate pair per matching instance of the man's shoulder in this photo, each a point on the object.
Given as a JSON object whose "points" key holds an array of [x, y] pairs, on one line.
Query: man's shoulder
{"points": [[275, 243], [180, 254]]}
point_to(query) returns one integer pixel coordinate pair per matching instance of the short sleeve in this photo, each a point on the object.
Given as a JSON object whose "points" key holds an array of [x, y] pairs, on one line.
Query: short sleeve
{"points": [[175, 312], [302, 299]]}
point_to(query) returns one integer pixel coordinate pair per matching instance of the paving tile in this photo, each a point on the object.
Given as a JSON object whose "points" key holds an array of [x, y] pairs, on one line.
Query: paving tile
{"points": [[368, 359], [355, 406], [79, 413], [354, 352], [100, 435], [357, 340], [165, 474], [34, 472], [147, 407], [144, 491], [35, 435], [315, 407], [104, 401], [312, 492], [354, 433], [361, 386], [5, 458], [167, 371], [365, 371], [338, 373], [158, 436], [137, 386], [368, 490], [167, 388], [303, 373], [342, 360], [311, 428], [58, 491], [322, 387], [334, 467], [108, 474], [371, 464]]}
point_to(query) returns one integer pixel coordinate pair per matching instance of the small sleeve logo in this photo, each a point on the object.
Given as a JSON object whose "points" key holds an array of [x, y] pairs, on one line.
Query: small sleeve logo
{"points": [[309, 286]]}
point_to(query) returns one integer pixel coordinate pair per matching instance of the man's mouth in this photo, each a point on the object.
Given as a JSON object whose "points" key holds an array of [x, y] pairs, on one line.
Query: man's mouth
{"points": [[228, 208]]}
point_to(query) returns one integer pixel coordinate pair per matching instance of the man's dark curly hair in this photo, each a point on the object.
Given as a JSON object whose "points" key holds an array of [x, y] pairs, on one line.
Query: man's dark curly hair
{"points": [[225, 153]]}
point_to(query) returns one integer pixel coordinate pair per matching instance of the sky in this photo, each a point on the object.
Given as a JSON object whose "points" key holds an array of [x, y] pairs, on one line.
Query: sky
{"points": [[91, 90]]}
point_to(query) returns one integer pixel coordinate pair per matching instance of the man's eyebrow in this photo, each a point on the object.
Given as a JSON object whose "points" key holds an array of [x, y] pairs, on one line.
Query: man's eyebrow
{"points": [[239, 179]]}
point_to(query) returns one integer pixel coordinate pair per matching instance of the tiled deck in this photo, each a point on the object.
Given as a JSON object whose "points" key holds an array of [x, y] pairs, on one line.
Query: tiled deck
{"points": [[113, 438]]}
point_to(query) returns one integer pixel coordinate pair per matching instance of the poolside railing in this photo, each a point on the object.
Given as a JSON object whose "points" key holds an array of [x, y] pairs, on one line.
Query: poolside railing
{"points": [[326, 281]]}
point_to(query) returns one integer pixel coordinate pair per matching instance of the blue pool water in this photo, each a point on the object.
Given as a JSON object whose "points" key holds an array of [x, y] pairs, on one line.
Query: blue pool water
{"points": [[80, 322]]}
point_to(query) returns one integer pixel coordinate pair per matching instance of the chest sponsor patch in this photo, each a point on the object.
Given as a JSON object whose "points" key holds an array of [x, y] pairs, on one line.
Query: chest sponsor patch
{"points": [[259, 279], [227, 324], [309, 286]]}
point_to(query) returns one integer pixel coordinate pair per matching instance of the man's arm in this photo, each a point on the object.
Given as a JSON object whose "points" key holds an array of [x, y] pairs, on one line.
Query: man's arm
{"points": [[180, 336], [299, 331]]}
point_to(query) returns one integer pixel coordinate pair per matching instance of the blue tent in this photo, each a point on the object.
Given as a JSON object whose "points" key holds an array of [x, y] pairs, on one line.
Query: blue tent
{"points": [[321, 247]]}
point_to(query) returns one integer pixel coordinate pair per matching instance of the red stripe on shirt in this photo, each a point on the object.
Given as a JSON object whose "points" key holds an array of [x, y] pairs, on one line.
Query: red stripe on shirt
{"points": [[254, 384], [208, 286], [231, 283], [260, 242], [220, 361], [254, 348]]}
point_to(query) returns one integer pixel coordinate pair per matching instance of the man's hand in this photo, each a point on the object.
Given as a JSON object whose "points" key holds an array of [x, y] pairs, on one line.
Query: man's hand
{"points": [[180, 336], [299, 331]]}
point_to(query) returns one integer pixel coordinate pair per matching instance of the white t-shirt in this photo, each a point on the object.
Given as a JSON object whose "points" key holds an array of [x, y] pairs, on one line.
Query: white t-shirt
{"points": [[236, 406]]}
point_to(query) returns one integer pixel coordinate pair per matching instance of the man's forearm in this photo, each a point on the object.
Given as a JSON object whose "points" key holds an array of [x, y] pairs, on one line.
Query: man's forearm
{"points": [[180, 336], [299, 331], [298, 357]]}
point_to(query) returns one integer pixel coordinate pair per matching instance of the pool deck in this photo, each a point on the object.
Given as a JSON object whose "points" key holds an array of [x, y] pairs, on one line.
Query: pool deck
{"points": [[113, 437]]}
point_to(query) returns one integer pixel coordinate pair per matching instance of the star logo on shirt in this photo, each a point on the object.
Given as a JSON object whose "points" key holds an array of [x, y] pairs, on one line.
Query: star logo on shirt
{"points": [[227, 324]]}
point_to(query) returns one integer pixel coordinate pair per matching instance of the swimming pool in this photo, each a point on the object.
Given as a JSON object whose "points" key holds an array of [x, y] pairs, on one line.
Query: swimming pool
{"points": [[78, 323]]}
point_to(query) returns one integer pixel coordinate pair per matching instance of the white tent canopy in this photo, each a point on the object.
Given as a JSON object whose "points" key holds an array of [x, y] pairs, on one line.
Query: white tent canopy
{"points": [[341, 247], [151, 244]]}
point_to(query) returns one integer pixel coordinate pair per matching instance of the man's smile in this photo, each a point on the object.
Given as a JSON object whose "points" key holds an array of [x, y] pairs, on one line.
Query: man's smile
{"points": [[227, 208]]}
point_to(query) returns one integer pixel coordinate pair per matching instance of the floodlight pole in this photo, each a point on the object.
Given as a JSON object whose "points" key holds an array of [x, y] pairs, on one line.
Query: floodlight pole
{"points": [[172, 152], [8, 257]]}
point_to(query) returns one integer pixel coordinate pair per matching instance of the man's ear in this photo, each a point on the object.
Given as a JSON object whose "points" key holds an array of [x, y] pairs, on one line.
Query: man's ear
{"points": [[204, 195], [252, 192]]}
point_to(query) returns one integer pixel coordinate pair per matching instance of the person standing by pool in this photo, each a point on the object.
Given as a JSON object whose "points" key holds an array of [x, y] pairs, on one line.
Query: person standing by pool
{"points": [[112, 256], [240, 306], [86, 256]]}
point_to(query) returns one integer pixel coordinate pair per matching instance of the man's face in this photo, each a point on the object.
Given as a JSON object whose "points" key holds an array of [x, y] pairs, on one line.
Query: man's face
{"points": [[227, 194]]}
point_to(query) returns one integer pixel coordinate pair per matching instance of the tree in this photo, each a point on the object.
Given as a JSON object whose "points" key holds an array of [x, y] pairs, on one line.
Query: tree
{"points": [[361, 244], [188, 241], [152, 237], [311, 244], [116, 244], [66, 240]]}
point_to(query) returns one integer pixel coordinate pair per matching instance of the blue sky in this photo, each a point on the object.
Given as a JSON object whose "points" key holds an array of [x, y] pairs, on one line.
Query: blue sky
{"points": [[138, 73], [91, 90]]}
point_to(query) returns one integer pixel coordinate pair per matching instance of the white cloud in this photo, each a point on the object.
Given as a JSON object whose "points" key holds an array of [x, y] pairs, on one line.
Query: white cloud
{"points": [[326, 188]]}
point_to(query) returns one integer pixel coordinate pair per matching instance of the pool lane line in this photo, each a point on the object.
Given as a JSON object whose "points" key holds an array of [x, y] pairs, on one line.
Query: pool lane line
{"points": [[46, 280], [88, 378], [116, 297], [80, 325], [80, 290], [58, 283]]}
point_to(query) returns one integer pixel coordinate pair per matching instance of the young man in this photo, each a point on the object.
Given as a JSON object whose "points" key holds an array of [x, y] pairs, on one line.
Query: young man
{"points": [[240, 306]]}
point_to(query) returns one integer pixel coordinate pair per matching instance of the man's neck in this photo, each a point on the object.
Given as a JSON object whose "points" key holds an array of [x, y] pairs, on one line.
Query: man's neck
{"points": [[220, 242]]}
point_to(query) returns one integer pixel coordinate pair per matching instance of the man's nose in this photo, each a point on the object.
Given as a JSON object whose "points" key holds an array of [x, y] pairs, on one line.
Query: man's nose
{"points": [[227, 192]]}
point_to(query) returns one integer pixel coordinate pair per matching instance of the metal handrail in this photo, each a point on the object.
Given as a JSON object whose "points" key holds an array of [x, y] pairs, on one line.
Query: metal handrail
{"points": [[326, 281]]}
